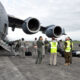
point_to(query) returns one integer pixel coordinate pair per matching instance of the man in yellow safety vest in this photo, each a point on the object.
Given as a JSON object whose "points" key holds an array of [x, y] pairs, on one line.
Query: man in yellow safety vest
{"points": [[53, 51], [67, 53]]}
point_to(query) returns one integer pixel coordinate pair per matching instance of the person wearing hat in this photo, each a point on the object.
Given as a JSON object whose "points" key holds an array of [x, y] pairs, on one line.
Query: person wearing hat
{"points": [[67, 49], [71, 45], [53, 51]]}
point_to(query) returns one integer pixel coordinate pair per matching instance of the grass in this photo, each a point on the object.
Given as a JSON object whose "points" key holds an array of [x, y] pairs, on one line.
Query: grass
{"points": [[76, 41]]}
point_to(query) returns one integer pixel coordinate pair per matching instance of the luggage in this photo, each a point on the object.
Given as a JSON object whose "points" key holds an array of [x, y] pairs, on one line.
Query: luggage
{"points": [[28, 53]]}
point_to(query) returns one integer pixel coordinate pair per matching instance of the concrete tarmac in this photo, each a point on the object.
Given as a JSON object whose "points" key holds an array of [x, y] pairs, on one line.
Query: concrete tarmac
{"points": [[17, 68]]}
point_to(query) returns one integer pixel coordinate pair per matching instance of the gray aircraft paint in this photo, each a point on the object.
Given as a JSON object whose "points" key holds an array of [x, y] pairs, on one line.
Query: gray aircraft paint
{"points": [[3, 22]]}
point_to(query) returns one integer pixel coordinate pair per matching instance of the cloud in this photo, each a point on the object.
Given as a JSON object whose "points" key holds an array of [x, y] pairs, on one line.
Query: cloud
{"points": [[18, 34], [74, 35], [60, 12]]}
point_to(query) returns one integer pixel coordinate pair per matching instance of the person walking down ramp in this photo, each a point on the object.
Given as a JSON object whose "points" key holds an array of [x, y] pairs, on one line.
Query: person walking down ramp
{"points": [[22, 48]]}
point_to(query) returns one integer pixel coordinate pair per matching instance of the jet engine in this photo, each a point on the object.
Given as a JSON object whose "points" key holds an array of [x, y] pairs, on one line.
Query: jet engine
{"points": [[31, 26], [53, 31]]}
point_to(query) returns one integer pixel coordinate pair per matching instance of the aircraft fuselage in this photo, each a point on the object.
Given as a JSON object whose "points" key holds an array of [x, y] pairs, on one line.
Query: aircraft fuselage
{"points": [[3, 22]]}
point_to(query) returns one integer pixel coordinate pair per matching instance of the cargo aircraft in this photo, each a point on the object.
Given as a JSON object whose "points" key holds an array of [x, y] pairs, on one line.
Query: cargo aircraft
{"points": [[29, 25]]}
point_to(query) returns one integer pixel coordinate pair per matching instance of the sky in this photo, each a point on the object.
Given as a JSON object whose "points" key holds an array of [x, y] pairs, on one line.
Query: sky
{"points": [[65, 13]]}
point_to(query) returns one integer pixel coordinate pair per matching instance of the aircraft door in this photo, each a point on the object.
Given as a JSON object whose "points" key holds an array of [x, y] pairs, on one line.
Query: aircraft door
{"points": [[5, 28]]}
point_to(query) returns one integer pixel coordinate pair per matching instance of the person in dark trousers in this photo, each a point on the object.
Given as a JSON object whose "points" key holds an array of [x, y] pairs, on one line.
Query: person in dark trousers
{"points": [[71, 50], [67, 53], [61, 47], [39, 49], [46, 45]]}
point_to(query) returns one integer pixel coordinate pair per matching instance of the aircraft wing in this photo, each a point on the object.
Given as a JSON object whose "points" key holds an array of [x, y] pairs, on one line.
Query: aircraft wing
{"points": [[52, 31], [29, 25], [43, 29], [32, 26], [15, 22]]}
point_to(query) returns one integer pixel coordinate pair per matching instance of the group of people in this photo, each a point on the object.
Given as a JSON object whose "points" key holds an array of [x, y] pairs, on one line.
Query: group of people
{"points": [[52, 47], [18, 47]]}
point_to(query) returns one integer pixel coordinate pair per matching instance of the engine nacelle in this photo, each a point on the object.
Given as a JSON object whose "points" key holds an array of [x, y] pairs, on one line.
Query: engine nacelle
{"points": [[53, 31], [31, 25]]}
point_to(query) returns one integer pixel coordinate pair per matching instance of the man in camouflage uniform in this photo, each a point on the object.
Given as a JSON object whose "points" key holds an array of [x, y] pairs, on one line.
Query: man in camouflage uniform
{"points": [[39, 48], [68, 51]]}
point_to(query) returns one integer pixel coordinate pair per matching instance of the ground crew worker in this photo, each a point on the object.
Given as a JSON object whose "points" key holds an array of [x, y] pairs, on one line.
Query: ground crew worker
{"points": [[46, 45], [71, 44], [53, 51], [61, 47], [22, 48], [67, 53], [39, 49], [35, 46]]}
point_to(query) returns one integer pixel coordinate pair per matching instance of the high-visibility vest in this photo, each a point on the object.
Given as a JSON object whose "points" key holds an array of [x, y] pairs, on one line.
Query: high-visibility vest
{"points": [[53, 47], [68, 47]]}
